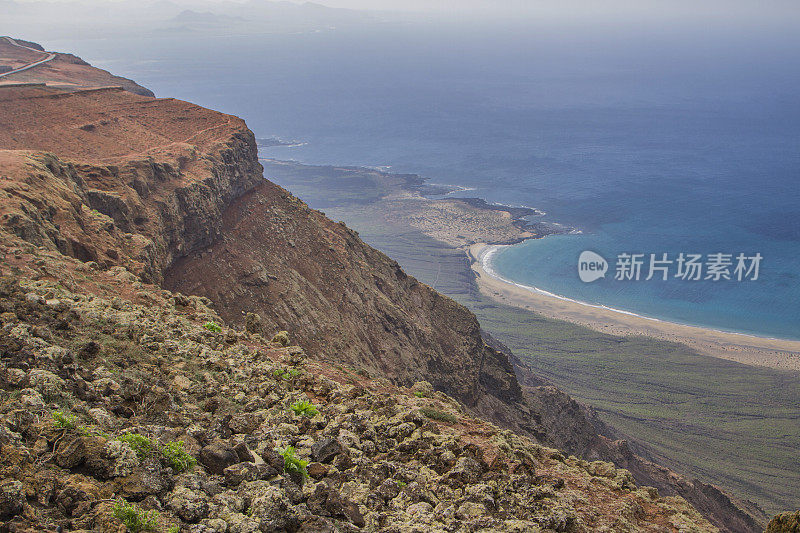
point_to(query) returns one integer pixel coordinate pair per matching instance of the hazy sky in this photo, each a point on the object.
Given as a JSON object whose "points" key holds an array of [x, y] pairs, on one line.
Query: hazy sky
{"points": [[783, 13], [655, 7]]}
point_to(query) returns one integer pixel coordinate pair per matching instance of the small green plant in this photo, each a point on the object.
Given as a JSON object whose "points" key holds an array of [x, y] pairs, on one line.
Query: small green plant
{"points": [[64, 420], [304, 408], [177, 458], [90, 431], [212, 326], [438, 415], [420, 394], [174, 529], [172, 452], [135, 519], [140, 444], [293, 464], [287, 374]]}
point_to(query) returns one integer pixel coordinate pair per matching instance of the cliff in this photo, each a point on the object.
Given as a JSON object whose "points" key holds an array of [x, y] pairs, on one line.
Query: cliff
{"points": [[108, 196]]}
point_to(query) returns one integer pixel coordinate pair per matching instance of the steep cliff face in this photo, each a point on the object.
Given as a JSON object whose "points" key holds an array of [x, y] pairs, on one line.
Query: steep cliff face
{"points": [[120, 179], [341, 298], [175, 194]]}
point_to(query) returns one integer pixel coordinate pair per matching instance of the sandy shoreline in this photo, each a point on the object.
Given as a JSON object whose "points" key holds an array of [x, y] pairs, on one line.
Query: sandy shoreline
{"points": [[751, 350]]}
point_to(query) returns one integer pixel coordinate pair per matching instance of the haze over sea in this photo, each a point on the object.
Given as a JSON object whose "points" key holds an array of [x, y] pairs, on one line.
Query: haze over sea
{"points": [[646, 140]]}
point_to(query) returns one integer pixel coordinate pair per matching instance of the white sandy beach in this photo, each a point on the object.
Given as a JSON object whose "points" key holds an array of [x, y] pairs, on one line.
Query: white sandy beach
{"points": [[747, 349]]}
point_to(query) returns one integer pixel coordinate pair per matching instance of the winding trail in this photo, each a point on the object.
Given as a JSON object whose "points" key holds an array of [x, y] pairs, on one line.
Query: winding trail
{"points": [[50, 57]]}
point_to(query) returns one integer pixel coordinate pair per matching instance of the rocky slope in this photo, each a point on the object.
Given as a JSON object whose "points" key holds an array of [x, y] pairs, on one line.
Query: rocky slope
{"points": [[113, 393], [103, 188]]}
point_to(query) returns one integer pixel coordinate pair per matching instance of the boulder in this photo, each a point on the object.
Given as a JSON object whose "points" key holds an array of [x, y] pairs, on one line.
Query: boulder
{"points": [[114, 459], [273, 509], [149, 478], [324, 450], [191, 506], [217, 456], [466, 470], [12, 498], [784, 523], [247, 471], [47, 383]]}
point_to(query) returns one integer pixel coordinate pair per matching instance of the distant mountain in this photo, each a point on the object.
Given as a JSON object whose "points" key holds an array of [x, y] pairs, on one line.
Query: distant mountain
{"points": [[198, 21], [45, 20]]}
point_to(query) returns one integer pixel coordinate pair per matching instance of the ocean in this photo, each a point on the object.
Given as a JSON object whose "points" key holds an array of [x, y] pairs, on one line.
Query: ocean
{"points": [[642, 139]]}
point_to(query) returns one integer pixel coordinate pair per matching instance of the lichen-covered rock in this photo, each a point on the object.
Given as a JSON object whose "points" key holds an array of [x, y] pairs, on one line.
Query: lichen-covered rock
{"points": [[785, 523], [466, 470], [282, 338], [115, 459], [247, 471], [12, 498], [101, 417], [271, 506], [48, 384], [191, 506], [253, 323]]}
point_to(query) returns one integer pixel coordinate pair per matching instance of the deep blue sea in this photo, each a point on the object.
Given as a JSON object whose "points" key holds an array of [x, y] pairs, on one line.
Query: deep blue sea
{"points": [[644, 139]]}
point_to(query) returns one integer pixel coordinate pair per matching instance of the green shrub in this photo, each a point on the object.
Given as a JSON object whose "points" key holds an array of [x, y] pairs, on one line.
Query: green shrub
{"points": [[420, 394], [304, 408], [293, 464], [438, 415], [135, 519], [177, 458], [172, 453], [212, 327], [287, 374], [64, 421], [140, 444]]}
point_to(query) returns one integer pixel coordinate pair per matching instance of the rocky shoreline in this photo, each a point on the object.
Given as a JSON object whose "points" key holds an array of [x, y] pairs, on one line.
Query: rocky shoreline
{"points": [[409, 199]]}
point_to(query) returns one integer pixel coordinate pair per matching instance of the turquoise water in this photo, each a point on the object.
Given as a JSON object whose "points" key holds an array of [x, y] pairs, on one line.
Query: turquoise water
{"points": [[645, 139]]}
